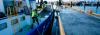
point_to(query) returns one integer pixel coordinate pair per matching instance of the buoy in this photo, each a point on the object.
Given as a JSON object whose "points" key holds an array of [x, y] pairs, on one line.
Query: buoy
{"points": [[81, 11], [90, 12]]}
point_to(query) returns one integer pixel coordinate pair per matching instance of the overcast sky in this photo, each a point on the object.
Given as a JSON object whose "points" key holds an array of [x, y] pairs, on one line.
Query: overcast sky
{"points": [[70, 0], [73, 0]]}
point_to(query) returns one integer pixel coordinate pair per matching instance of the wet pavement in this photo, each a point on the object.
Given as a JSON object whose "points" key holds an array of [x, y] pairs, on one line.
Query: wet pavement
{"points": [[76, 23]]}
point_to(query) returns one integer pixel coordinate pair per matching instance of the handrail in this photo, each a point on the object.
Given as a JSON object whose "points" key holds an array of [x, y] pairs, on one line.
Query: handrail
{"points": [[61, 29], [43, 27]]}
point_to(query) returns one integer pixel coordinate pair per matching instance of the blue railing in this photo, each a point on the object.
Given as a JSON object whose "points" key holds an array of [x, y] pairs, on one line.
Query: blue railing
{"points": [[43, 28]]}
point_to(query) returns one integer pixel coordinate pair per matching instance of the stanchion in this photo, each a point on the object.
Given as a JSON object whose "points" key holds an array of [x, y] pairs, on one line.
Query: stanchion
{"points": [[97, 6], [84, 5], [71, 3]]}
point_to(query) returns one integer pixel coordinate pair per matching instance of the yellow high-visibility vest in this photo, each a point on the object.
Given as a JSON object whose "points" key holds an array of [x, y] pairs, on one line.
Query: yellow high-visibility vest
{"points": [[34, 13]]}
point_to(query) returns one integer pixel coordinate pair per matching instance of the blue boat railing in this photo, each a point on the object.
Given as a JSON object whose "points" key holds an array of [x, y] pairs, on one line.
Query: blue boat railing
{"points": [[44, 28]]}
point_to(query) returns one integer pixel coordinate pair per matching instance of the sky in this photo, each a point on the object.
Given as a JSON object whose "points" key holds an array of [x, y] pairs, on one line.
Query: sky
{"points": [[70, 0]]}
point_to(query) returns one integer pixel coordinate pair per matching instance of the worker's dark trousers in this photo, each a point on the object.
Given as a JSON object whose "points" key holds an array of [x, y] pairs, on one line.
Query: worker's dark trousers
{"points": [[35, 19]]}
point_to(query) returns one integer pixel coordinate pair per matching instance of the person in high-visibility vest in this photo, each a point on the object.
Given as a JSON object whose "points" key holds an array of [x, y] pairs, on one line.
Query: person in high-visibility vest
{"points": [[35, 16]]}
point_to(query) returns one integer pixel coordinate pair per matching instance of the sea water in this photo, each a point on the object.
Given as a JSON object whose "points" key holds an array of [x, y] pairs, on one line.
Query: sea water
{"points": [[95, 9]]}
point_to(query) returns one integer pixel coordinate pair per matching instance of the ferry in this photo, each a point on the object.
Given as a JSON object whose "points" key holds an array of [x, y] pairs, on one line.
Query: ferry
{"points": [[54, 17]]}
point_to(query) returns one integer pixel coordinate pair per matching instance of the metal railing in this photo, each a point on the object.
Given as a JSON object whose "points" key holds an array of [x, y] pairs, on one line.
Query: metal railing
{"points": [[44, 28]]}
